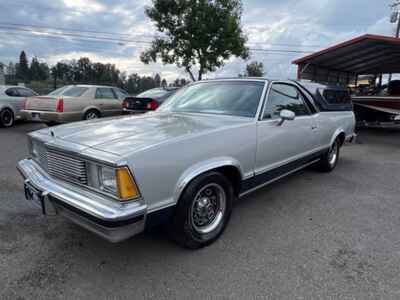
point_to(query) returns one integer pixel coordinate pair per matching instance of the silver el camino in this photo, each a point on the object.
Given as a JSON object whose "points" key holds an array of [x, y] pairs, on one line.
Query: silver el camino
{"points": [[184, 164]]}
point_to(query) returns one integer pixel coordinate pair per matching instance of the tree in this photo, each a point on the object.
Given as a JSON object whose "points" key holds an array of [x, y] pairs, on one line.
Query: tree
{"points": [[254, 69], [23, 68], [164, 83], [198, 33], [157, 80]]}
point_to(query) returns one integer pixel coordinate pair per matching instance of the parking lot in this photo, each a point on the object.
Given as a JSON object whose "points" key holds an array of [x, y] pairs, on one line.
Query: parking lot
{"points": [[311, 235]]}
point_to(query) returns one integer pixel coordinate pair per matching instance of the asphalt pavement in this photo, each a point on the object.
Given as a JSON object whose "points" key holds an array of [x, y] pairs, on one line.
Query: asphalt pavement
{"points": [[308, 236]]}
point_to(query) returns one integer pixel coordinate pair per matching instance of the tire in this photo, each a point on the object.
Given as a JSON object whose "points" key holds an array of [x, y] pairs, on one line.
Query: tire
{"points": [[330, 159], [7, 118], [203, 211], [91, 114], [51, 124]]}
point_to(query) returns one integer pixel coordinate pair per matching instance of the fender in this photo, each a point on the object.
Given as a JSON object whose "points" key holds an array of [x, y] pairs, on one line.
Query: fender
{"points": [[203, 167], [336, 134]]}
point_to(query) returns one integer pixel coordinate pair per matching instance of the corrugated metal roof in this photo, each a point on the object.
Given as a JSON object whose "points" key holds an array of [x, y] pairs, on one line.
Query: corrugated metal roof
{"points": [[366, 54]]}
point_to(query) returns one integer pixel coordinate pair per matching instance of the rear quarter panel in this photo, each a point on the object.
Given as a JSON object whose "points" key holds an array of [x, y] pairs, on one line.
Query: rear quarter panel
{"points": [[331, 124], [161, 170]]}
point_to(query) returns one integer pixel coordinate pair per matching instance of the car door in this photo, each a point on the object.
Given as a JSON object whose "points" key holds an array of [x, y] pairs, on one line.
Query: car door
{"points": [[288, 145], [108, 101]]}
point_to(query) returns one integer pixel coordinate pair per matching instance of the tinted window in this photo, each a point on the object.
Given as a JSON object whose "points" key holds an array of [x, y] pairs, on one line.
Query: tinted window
{"points": [[121, 94], [153, 93], [105, 93], [225, 98], [337, 96], [26, 92], [283, 96], [12, 92]]}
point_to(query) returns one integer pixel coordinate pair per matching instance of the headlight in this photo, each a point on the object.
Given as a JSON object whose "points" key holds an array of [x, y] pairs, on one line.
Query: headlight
{"points": [[33, 148], [108, 180], [119, 182]]}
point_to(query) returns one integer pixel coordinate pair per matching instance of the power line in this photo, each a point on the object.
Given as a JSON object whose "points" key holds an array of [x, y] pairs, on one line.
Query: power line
{"points": [[69, 29], [45, 28], [118, 40]]}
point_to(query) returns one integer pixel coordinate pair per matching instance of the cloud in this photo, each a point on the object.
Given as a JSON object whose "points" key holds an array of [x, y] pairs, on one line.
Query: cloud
{"points": [[305, 25]]}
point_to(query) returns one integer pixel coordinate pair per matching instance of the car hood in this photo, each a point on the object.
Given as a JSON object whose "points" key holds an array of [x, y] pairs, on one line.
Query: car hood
{"points": [[124, 135]]}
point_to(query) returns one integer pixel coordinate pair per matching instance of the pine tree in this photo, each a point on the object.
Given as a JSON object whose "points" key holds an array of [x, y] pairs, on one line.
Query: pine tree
{"points": [[23, 68]]}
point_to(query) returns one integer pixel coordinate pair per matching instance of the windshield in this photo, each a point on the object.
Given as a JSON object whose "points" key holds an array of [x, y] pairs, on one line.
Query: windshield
{"points": [[236, 98], [71, 91], [153, 93], [58, 91]]}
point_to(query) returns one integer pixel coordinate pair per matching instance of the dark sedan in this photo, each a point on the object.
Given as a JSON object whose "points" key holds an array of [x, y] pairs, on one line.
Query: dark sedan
{"points": [[148, 100]]}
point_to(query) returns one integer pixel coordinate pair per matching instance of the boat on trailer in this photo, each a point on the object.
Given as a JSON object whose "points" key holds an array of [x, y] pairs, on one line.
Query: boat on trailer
{"points": [[380, 107]]}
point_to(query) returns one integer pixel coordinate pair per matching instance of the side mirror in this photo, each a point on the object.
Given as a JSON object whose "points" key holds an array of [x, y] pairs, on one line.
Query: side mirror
{"points": [[286, 115]]}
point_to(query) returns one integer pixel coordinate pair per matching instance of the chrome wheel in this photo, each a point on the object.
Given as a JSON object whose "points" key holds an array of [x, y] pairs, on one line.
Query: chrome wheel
{"points": [[333, 154], [91, 115], [208, 208]]}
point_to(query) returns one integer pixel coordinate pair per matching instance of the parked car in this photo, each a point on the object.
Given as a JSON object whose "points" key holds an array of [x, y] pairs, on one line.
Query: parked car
{"points": [[12, 100], [184, 164], [148, 100], [75, 102]]}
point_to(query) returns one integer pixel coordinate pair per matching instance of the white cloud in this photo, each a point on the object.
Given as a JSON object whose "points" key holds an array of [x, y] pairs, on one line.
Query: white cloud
{"points": [[88, 6]]}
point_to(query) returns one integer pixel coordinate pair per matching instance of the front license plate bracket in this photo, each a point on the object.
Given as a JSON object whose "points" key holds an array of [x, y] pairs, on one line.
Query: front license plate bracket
{"points": [[39, 199]]}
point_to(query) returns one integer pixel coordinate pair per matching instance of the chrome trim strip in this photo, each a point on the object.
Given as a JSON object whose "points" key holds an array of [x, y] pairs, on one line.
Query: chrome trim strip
{"points": [[277, 178], [288, 161], [92, 203]]}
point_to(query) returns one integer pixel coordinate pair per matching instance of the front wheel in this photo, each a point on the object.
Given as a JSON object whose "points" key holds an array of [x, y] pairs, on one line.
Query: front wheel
{"points": [[330, 159], [6, 118], [203, 211]]}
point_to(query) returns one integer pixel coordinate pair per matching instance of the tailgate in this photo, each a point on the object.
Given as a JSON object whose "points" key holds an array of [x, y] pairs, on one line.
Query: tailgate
{"points": [[137, 103], [42, 103]]}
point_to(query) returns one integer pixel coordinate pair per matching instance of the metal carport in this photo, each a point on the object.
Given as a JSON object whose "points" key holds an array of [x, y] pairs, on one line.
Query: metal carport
{"points": [[342, 63]]}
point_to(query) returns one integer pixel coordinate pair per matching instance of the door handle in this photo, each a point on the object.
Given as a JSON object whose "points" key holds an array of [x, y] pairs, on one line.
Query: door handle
{"points": [[314, 127]]}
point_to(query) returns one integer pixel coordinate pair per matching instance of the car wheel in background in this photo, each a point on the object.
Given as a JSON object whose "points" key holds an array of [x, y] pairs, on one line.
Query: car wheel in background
{"points": [[91, 114], [50, 124], [6, 117], [330, 159], [203, 211]]}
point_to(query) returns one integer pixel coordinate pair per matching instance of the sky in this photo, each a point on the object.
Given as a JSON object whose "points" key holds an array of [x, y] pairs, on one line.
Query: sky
{"points": [[302, 26]]}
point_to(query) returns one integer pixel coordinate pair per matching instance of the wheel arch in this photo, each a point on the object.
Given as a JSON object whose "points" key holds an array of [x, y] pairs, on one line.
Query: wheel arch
{"points": [[339, 133], [229, 167], [86, 109], [6, 106]]}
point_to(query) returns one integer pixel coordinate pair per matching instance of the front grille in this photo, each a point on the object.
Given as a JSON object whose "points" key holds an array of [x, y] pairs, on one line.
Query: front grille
{"points": [[63, 165]]}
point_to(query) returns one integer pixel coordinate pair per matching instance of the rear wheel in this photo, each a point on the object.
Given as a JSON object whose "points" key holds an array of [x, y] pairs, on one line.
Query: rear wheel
{"points": [[7, 118], [203, 211], [330, 159], [91, 114]]}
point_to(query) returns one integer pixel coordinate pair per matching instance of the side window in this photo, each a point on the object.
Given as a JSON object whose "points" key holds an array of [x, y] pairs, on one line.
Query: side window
{"points": [[26, 92], [121, 94], [12, 92], [284, 96], [105, 93]]}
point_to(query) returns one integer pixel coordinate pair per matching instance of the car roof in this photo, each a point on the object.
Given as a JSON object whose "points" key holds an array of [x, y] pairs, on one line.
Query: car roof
{"points": [[91, 86]]}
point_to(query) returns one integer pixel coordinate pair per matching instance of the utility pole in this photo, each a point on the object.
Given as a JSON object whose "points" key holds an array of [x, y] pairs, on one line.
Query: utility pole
{"points": [[395, 18]]}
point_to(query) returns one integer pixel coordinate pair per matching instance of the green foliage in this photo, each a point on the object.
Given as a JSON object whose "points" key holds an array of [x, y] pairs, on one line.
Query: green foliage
{"points": [[83, 71], [38, 71], [201, 33], [254, 69], [22, 68]]}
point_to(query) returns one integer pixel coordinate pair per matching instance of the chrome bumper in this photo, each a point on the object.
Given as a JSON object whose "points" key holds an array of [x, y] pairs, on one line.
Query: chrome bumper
{"points": [[106, 217]]}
